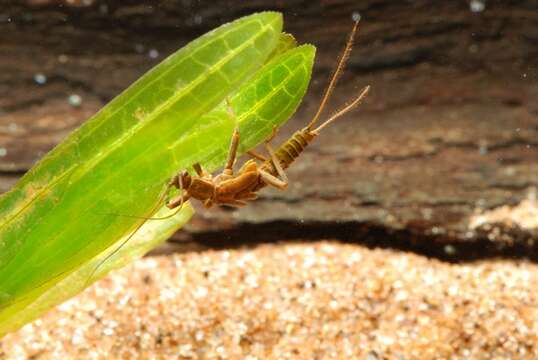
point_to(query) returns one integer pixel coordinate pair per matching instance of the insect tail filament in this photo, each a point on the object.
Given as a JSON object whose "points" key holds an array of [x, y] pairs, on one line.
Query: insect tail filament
{"points": [[339, 70], [344, 110]]}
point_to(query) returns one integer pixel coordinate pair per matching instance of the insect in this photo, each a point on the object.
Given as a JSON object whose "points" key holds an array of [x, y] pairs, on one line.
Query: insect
{"points": [[232, 189], [237, 189]]}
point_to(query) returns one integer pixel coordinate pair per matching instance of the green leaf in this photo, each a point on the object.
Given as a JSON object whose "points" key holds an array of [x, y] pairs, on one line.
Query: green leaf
{"points": [[286, 42], [146, 238], [58, 222]]}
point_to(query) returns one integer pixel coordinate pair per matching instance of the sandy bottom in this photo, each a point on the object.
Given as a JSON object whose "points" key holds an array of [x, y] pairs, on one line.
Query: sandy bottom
{"points": [[294, 301]]}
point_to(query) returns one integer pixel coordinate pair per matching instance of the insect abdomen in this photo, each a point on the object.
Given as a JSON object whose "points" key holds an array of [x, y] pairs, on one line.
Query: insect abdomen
{"points": [[291, 149]]}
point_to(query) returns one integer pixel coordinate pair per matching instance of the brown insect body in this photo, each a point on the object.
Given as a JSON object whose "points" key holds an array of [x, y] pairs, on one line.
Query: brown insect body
{"points": [[290, 150], [232, 189], [286, 154]]}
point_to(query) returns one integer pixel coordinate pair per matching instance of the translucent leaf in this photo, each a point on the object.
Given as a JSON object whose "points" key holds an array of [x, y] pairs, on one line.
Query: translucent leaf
{"points": [[64, 216]]}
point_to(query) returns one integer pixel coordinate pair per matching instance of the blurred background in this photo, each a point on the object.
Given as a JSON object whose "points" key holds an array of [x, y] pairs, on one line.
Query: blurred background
{"points": [[439, 156]]}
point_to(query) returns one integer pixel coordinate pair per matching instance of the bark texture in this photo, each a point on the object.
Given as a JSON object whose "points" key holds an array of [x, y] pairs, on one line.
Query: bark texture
{"points": [[450, 127]]}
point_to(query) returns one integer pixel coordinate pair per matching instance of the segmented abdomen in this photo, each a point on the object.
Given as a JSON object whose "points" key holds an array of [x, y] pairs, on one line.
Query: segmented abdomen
{"points": [[289, 151]]}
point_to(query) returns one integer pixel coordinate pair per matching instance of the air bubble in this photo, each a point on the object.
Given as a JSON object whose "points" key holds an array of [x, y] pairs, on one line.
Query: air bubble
{"points": [[62, 59], [356, 16], [477, 6], [153, 53], [40, 79], [450, 250], [74, 100], [483, 148], [12, 127]]}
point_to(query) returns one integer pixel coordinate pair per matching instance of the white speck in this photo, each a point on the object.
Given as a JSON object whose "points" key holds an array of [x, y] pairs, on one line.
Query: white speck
{"points": [[12, 127], [78, 338], [477, 6], [74, 100], [62, 59], [198, 19], [333, 304], [449, 249], [201, 292], [185, 351], [356, 16], [480, 203], [252, 281], [510, 171], [199, 335], [483, 149], [153, 53], [524, 75], [267, 306], [3, 152], [379, 159], [518, 129], [108, 331], [40, 79]]}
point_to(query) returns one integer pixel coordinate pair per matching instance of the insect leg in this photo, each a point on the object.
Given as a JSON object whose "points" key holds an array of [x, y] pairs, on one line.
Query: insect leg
{"points": [[228, 169], [234, 203], [272, 136], [273, 180], [276, 163], [256, 155], [232, 154], [247, 196], [175, 202], [208, 203], [179, 200], [199, 170]]}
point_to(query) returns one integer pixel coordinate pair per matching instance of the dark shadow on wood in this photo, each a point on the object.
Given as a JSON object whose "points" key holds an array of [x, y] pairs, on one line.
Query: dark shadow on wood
{"points": [[522, 245]]}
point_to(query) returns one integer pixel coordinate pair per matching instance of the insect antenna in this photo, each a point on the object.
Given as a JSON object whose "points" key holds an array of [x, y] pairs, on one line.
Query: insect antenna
{"points": [[336, 75], [159, 202], [126, 240]]}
